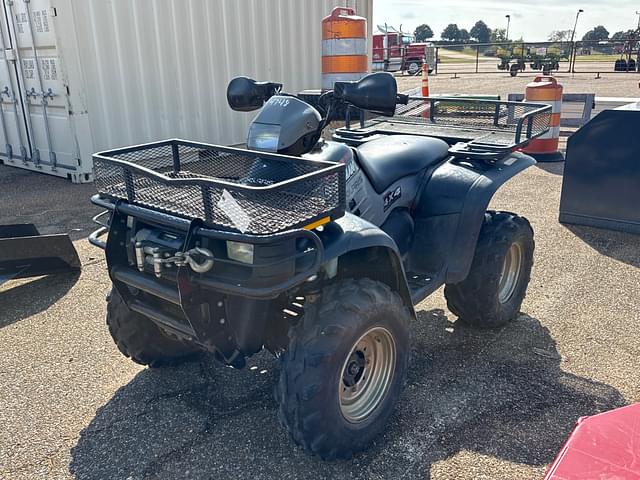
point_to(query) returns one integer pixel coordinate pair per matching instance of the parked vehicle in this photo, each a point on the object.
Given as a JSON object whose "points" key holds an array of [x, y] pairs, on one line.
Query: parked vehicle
{"points": [[395, 51], [318, 250], [514, 59]]}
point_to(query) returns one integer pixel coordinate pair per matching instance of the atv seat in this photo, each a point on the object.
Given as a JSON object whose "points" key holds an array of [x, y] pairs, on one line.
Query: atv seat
{"points": [[388, 159]]}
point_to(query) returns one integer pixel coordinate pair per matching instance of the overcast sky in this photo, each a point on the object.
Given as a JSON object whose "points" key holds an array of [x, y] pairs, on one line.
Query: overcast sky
{"points": [[532, 19]]}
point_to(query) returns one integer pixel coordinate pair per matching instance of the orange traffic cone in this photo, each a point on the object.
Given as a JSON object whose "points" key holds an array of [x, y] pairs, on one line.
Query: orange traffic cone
{"points": [[425, 89]]}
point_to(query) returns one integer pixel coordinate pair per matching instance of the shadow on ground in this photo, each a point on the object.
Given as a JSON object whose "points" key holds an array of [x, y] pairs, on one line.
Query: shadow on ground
{"points": [[499, 393], [31, 296], [52, 204], [556, 168], [617, 245]]}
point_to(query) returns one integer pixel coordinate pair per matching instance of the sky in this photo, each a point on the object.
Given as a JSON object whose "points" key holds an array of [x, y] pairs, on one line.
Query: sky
{"points": [[532, 20]]}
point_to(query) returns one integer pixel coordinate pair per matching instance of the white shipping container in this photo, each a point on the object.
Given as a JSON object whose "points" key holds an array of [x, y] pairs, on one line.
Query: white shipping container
{"points": [[79, 76]]}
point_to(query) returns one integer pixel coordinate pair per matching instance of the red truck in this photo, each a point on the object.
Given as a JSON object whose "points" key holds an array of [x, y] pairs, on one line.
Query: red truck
{"points": [[395, 51]]}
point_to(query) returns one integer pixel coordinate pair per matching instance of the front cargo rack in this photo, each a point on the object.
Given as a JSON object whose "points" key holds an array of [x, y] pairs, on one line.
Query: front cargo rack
{"points": [[228, 188], [483, 127]]}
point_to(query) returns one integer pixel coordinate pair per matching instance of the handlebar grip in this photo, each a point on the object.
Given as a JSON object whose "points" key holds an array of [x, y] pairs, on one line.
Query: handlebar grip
{"points": [[402, 99]]}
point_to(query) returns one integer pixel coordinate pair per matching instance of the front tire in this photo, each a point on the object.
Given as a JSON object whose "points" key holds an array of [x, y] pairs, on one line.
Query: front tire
{"points": [[139, 339], [493, 292], [414, 67], [344, 369]]}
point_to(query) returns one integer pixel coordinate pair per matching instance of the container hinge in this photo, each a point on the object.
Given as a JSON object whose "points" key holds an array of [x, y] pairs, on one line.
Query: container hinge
{"points": [[10, 54]]}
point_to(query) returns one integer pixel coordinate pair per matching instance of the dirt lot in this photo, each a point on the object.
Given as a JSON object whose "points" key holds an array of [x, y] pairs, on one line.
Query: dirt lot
{"points": [[608, 85], [477, 405]]}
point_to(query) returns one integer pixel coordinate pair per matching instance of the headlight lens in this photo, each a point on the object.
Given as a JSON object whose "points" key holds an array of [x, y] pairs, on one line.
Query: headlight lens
{"points": [[264, 137], [240, 252]]}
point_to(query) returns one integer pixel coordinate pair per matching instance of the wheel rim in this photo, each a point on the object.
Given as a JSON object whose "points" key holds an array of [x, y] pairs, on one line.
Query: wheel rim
{"points": [[413, 67], [510, 273], [367, 374]]}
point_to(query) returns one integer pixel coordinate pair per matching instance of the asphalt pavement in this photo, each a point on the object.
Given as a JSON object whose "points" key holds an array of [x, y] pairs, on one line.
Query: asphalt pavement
{"points": [[478, 404]]}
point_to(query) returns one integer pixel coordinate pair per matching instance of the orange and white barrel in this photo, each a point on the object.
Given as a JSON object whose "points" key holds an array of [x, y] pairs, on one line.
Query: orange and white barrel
{"points": [[545, 89], [344, 47]]}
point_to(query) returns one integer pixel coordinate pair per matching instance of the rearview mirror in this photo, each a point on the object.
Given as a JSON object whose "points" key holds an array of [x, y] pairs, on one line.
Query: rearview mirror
{"points": [[377, 92], [245, 94]]}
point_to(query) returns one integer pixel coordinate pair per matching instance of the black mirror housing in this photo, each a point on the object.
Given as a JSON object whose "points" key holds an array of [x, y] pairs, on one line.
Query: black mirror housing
{"points": [[245, 94], [377, 92]]}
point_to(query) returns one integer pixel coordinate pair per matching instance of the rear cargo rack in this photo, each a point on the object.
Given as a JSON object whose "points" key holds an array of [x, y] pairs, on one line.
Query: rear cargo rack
{"points": [[476, 128], [228, 188]]}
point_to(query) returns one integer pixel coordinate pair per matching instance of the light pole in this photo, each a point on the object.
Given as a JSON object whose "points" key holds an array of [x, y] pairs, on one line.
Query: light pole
{"points": [[573, 34], [508, 17], [638, 13]]}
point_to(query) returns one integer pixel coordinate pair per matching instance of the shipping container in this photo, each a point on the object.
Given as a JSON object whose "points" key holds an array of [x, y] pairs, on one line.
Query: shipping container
{"points": [[79, 76]]}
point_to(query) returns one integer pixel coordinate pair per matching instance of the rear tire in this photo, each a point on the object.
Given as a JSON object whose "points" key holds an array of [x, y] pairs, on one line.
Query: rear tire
{"points": [[139, 339], [344, 369], [493, 292]]}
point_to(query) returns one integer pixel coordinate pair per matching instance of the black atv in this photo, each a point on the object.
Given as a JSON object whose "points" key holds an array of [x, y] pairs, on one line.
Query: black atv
{"points": [[318, 250]]}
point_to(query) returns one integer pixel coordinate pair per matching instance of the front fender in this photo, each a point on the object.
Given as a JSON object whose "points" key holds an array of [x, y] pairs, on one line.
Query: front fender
{"points": [[350, 233], [351, 238], [461, 192]]}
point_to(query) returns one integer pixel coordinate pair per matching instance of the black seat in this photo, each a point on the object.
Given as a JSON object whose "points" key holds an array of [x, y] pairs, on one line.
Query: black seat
{"points": [[388, 159]]}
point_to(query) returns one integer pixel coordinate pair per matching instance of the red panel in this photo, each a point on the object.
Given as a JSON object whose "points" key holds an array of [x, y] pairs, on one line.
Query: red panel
{"points": [[605, 446]]}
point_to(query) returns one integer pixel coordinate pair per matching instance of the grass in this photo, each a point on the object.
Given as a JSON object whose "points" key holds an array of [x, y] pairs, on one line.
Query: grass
{"points": [[598, 57]]}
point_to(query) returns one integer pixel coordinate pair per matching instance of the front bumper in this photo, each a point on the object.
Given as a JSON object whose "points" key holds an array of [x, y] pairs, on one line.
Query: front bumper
{"points": [[226, 309]]}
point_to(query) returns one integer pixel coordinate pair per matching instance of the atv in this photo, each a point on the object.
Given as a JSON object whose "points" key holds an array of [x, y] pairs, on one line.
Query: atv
{"points": [[318, 250]]}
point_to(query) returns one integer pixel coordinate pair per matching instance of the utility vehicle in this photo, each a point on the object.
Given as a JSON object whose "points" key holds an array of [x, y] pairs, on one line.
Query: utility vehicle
{"points": [[318, 250]]}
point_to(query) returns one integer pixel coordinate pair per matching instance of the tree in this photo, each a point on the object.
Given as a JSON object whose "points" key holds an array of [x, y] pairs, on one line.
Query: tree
{"points": [[498, 35], [423, 32], [463, 36], [560, 35], [597, 34], [451, 33], [623, 35], [480, 32]]}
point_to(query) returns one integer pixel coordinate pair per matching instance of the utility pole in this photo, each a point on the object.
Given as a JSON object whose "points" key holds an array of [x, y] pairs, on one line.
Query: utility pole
{"points": [[508, 17], [572, 64]]}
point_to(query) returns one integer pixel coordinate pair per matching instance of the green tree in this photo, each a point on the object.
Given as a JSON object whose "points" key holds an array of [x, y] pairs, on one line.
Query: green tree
{"points": [[463, 36], [498, 35], [597, 34], [623, 35], [451, 33], [480, 32], [560, 35], [423, 32]]}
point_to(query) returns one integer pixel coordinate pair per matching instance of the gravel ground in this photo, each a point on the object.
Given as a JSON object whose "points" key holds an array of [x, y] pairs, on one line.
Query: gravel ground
{"points": [[477, 405], [608, 85]]}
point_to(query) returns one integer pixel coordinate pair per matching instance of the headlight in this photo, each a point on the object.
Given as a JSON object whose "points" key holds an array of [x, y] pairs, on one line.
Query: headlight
{"points": [[264, 137], [240, 252]]}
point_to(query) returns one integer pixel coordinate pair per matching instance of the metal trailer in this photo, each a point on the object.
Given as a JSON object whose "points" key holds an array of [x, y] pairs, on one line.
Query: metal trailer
{"points": [[601, 182], [77, 77]]}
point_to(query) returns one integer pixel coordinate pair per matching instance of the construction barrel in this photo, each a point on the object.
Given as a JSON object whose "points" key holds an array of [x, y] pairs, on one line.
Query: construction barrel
{"points": [[545, 89], [344, 47]]}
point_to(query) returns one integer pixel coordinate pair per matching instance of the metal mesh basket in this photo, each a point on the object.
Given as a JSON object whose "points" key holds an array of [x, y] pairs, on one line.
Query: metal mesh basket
{"points": [[493, 123], [228, 188]]}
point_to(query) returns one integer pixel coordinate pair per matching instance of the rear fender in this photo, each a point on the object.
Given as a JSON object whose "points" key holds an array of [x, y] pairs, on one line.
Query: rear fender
{"points": [[363, 250], [450, 212]]}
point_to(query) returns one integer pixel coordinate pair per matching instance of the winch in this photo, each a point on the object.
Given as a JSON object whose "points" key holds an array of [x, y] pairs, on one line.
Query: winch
{"points": [[162, 250]]}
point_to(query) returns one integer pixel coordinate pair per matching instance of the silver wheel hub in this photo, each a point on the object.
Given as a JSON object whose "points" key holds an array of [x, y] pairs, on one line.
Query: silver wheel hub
{"points": [[367, 374], [510, 273]]}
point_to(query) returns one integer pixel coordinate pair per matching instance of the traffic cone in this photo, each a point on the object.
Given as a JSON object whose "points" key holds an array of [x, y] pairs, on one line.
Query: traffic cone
{"points": [[425, 89]]}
